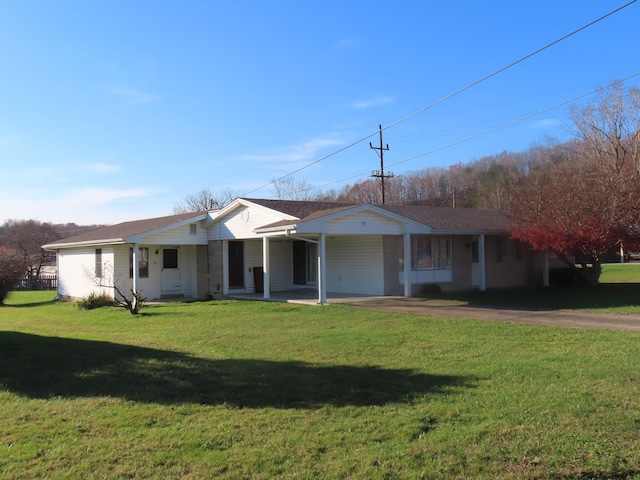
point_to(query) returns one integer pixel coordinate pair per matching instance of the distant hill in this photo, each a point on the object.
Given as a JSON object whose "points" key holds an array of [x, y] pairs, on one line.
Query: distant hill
{"points": [[64, 230]]}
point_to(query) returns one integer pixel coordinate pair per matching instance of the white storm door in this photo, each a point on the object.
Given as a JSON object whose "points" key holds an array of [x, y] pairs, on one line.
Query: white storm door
{"points": [[170, 271]]}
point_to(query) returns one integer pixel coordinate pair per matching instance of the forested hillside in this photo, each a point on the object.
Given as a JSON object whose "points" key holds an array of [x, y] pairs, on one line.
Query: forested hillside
{"points": [[488, 182]]}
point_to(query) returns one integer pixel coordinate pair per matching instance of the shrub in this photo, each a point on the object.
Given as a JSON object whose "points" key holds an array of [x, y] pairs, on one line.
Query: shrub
{"points": [[12, 267], [563, 277], [94, 300]]}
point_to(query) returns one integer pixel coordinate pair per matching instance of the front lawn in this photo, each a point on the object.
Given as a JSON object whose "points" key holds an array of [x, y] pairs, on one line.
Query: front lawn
{"points": [[256, 390], [618, 292]]}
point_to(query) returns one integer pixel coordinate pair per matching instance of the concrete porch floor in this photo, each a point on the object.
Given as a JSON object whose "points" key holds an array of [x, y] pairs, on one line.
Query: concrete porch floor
{"points": [[305, 296]]}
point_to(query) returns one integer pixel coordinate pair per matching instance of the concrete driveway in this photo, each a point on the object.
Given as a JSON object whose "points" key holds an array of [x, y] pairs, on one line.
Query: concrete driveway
{"points": [[557, 318]]}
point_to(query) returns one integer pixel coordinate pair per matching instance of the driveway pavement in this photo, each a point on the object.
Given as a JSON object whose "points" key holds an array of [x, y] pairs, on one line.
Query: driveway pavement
{"points": [[558, 318]]}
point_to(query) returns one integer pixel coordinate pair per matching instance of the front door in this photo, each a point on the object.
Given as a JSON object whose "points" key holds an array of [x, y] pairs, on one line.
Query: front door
{"points": [[236, 264], [305, 263], [171, 282]]}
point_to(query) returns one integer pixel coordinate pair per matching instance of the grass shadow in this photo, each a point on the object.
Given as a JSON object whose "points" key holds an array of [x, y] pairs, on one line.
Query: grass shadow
{"points": [[602, 296], [29, 304], [44, 367]]}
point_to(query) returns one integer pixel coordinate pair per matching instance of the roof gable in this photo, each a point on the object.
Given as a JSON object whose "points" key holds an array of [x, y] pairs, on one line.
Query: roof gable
{"points": [[299, 208]]}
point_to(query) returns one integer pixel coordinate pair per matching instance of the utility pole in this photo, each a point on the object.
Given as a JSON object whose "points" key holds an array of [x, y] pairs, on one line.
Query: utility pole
{"points": [[379, 174]]}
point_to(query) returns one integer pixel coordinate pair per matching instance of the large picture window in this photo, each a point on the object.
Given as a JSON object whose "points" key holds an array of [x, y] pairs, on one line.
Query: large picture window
{"points": [[427, 252], [143, 262]]}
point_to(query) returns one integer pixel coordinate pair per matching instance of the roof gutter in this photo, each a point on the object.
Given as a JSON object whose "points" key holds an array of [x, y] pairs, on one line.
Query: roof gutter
{"points": [[279, 230], [87, 243]]}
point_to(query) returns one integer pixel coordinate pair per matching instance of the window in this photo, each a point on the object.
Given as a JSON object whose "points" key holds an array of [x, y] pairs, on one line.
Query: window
{"points": [[442, 254], [170, 258], [312, 263], [427, 252], [508, 249], [98, 263], [305, 262], [421, 253], [143, 262], [193, 229]]}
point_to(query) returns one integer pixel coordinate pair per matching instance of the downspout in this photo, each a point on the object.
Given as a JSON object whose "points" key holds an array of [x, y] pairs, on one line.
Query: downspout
{"points": [[322, 267], [483, 263], [136, 268], [265, 268], [407, 264]]}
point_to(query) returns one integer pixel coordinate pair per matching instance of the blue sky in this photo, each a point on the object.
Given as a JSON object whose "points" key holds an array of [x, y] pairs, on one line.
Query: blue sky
{"points": [[113, 111]]}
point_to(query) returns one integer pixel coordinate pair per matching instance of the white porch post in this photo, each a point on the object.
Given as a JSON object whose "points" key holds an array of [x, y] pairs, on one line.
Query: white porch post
{"points": [[322, 270], [136, 267], [407, 264], [545, 269], [265, 267], [483, 263]]}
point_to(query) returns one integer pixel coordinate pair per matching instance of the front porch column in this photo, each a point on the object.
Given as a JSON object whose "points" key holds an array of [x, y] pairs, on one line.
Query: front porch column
{"points": [[265, 267], [483, 263], [407, 264], [135, 261], [322, 270]]}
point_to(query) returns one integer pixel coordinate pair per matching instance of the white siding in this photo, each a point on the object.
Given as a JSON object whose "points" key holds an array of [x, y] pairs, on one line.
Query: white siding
{"points": [[355, 265], [281, 259], [241, 222], [179, 236], [428, 276], [76, 272], [252, 258], [76, 269], [364, 223]]}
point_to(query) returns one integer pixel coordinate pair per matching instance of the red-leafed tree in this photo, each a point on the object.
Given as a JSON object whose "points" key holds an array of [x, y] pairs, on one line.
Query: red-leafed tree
{"points": [[587, 200]]}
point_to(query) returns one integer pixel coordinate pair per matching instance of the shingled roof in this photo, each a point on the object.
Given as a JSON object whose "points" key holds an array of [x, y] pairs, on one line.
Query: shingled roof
{"points": [[121, 231], [439, 218], [447, 218]]}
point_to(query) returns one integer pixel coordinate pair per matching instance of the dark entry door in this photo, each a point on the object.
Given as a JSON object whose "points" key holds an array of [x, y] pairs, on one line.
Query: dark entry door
{"points": [[236, 264], [299, 262]]}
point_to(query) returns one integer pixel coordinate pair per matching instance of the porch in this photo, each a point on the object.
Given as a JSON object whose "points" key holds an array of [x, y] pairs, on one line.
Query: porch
{"points": [[306, 296]]}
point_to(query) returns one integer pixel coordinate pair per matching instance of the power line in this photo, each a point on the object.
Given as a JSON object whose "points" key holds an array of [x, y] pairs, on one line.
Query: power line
{"points": [[486, 132], [443, 99], [526, 57]]}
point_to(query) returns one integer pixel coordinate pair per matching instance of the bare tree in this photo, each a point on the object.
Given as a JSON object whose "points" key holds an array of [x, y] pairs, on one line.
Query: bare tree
{"points": [[27, 237], [609, 129], [288, 188], [12, 267], [205, 200]]}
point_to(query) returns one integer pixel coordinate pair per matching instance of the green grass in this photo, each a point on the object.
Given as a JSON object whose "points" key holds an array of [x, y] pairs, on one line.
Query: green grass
{"points": [[620, 273], [256, 390], [618, 292]]}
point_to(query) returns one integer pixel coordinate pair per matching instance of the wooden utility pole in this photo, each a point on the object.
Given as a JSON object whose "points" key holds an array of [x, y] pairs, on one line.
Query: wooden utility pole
{"points": [[379, 174]]}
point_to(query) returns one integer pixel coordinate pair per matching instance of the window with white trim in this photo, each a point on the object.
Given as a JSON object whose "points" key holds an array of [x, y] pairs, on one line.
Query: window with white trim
{"points": [[143, 262], [428, 252]]}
